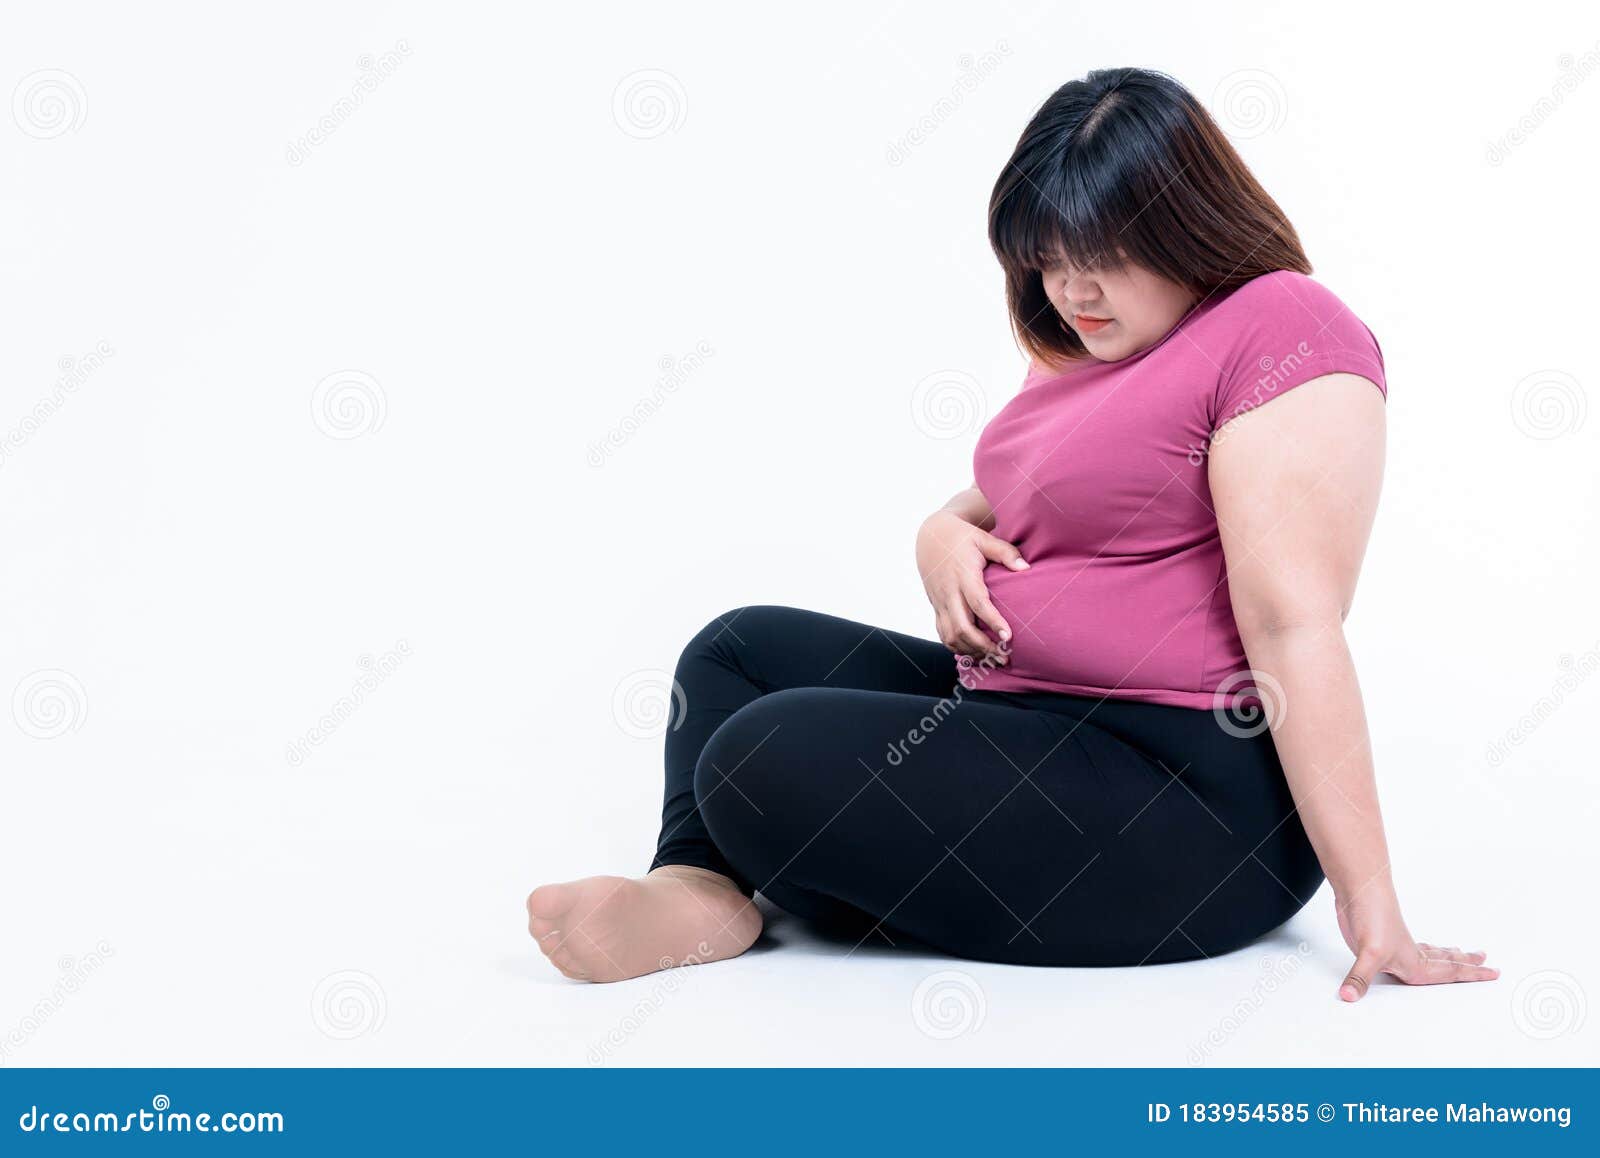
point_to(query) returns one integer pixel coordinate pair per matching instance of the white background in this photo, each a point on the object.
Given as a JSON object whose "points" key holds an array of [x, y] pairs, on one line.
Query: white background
{"points": [[512, 235]]}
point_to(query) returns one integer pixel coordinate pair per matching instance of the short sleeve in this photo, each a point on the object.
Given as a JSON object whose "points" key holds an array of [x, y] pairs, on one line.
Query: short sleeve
{"points": [[1285, 329]]}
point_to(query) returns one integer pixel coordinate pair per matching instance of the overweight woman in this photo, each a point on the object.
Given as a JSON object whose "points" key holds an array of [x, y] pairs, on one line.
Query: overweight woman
{"points": [[1140, 738]]}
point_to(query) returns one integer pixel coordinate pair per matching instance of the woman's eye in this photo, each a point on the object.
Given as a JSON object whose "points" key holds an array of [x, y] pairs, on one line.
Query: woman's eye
{"points": [[1063, 267]]}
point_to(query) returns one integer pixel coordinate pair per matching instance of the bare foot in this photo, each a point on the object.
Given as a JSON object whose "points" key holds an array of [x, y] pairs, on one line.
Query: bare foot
{"points": [[613, 928]]}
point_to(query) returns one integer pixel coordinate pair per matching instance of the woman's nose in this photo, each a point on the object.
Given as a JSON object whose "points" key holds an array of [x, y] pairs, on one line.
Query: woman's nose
{"points": [[1079, 289]]}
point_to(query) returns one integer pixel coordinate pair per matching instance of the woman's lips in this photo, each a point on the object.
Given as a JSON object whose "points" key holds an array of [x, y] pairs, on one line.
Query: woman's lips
{"points": [[1089, 325]]}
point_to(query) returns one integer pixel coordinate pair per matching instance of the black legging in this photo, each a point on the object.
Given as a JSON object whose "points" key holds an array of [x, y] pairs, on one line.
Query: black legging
{"points": [[843, 772]]}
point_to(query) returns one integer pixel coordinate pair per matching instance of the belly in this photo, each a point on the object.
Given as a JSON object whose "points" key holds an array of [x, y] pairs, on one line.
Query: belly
{"points": [[1108, 623]]}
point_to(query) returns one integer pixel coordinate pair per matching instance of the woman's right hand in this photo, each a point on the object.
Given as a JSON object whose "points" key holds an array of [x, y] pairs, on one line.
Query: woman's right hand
{"points": [[951, 556], [1377, 935]]}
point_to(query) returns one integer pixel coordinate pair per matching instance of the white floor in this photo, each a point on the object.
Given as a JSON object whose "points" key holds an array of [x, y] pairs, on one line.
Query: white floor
{"points": [[236, 914]]}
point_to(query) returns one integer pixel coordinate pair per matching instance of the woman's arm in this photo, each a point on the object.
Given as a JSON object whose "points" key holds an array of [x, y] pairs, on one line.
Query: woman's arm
{"points": [[971, 507], [1295, 484]]}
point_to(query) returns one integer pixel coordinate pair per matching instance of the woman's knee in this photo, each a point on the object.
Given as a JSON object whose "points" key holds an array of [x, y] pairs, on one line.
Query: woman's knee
{"points": [[746, 778], [723, 633], [733, 753]]}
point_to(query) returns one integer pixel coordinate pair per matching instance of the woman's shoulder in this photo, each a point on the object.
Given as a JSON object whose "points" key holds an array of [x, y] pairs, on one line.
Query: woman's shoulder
{"points": [[1285, 311], [1283, 291], [1279, 330]]}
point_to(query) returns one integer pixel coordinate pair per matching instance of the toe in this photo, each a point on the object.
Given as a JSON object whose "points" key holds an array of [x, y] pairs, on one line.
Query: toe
{"points": [[569, 965], [545, 933], [550, 901]]}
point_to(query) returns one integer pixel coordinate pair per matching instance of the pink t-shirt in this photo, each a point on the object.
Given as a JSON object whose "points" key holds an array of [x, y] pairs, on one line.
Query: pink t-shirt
{"points": [[1098, 475]]}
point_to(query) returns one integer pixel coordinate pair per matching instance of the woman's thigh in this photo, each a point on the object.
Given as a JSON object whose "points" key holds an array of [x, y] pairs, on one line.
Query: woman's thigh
{"points": [[986, 831], [770, 648], [752, 652]]}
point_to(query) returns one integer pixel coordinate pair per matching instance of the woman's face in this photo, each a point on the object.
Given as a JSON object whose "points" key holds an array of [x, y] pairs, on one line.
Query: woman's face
{"points": [[1116, 313]]}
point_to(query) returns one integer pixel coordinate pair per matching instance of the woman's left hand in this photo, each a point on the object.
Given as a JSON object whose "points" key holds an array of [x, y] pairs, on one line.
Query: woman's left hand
{"points": [[1382, 944]]}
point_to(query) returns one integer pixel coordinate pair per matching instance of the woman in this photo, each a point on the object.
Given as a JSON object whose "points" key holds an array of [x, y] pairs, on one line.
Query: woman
{"points": [[1141, 739]]}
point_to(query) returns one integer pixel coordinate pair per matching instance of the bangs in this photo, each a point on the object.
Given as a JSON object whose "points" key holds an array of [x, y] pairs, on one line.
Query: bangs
{"points": [[1073, 214]]}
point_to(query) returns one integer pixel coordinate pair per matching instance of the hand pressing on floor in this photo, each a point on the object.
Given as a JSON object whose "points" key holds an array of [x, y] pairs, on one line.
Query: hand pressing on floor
{"points": [[1377, 935]]}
